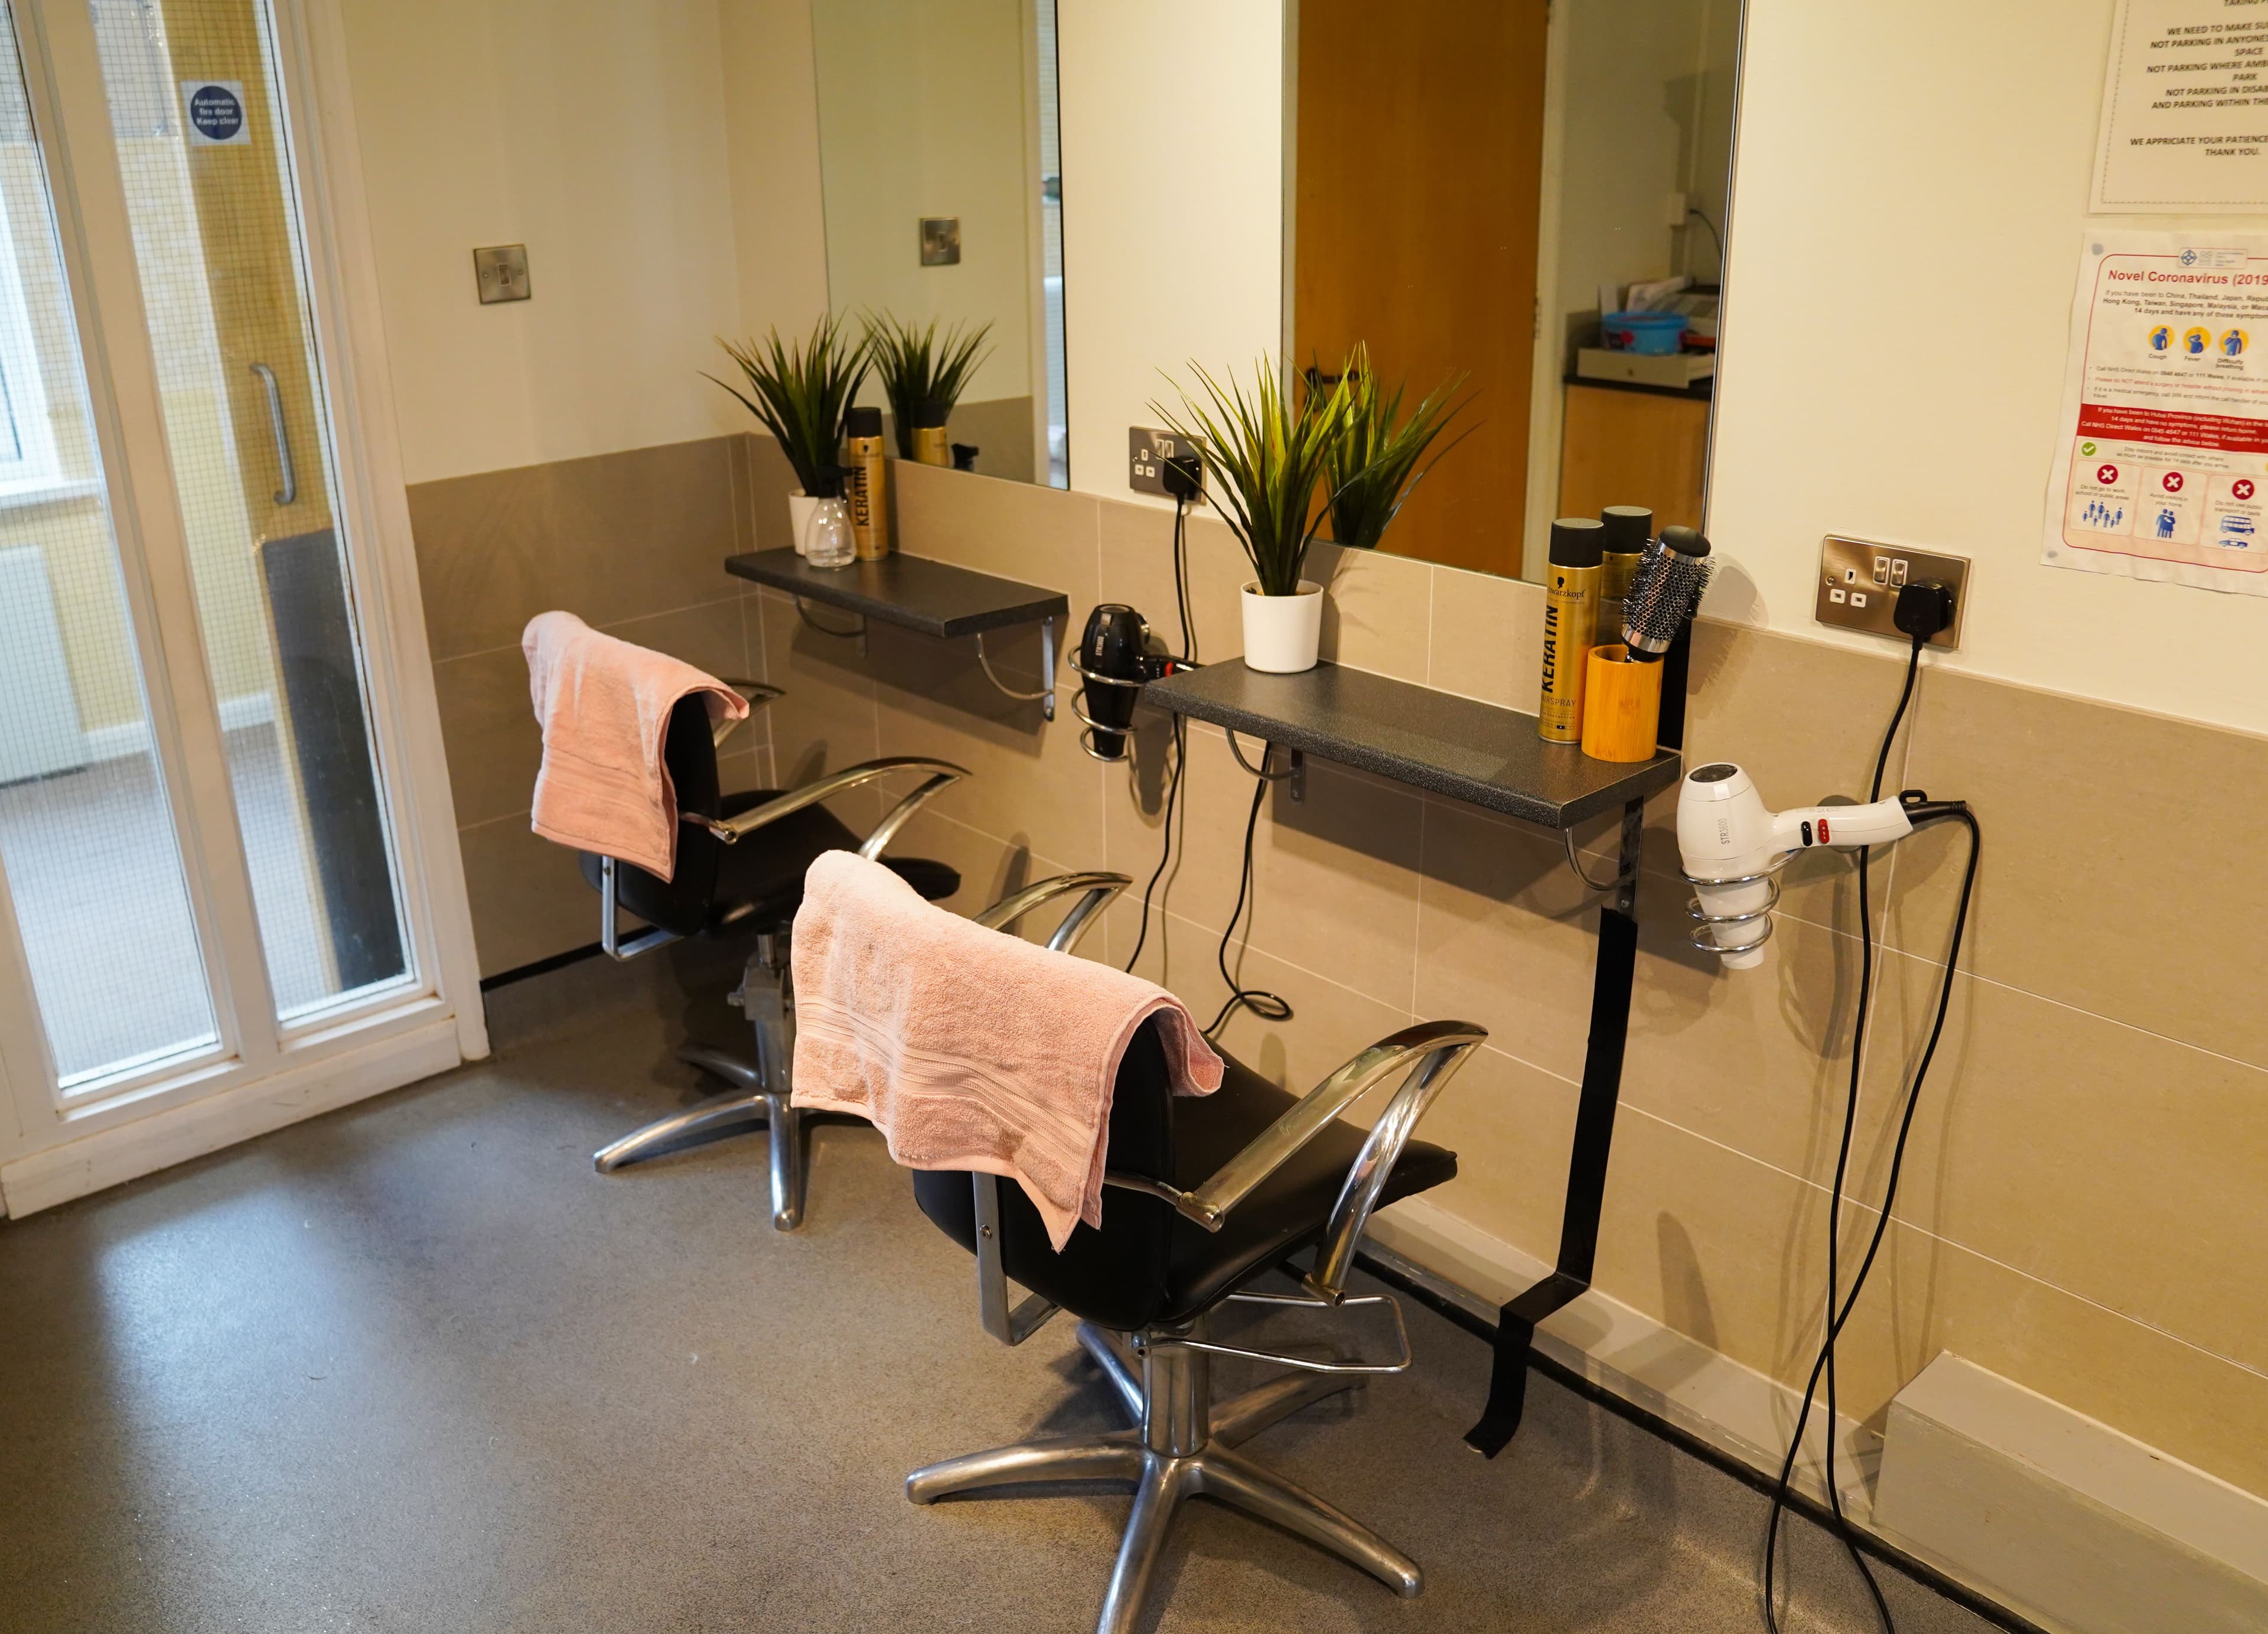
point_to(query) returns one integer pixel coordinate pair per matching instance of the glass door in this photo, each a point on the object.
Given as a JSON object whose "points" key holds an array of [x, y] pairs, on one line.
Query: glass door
{"points": [[200, 872]]}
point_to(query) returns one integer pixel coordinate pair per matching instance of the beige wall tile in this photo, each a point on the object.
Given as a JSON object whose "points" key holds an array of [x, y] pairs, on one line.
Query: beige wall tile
{"points": [[1378, 612], [1728, 1251], [1487, 638], [825, 720], [1138, 570], [528, 902], [769, 480], [611, 537], [1043, 536], [1029, 783], [2085, 1153], [1511, 1128], [1336, 876], [2107, 880]]}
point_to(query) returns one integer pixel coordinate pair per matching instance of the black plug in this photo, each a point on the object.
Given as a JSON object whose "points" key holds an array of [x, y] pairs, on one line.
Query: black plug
{"points": [[1183, 476], [1923, 608]]}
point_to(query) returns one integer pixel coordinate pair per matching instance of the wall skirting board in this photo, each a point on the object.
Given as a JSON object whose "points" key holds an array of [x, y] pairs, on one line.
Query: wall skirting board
{"points": [[2062, 1520]]}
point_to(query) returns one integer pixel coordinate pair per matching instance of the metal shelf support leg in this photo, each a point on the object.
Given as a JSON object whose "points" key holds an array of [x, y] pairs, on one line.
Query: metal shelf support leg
{"points": [[1587, 1171]]}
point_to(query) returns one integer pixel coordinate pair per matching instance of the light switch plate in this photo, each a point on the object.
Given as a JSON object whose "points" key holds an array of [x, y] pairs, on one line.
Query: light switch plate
{"points": [[940, 240], [1147, 450], [502, 271], [1858, 585]]}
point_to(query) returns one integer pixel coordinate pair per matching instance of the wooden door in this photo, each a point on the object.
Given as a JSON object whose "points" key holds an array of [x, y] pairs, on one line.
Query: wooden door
{"points": [[1418, 174]]}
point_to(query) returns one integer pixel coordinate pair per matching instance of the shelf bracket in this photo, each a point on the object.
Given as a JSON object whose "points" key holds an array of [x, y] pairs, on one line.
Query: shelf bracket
{"points": [[1045, 698]]}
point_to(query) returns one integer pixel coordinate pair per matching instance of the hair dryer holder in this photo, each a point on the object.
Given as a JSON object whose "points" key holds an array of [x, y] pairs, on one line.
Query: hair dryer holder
{"points": [[1088, 678], [1703, 935]]}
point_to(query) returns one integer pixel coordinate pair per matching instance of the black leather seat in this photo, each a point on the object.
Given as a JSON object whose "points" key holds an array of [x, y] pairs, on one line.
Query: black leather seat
{"points": [[1150, 1266], [749, 888], [756, 885]]}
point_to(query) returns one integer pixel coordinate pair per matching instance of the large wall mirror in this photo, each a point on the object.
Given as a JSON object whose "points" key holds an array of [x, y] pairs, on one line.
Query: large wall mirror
{"points": [[1476, 189], [944, 204]]}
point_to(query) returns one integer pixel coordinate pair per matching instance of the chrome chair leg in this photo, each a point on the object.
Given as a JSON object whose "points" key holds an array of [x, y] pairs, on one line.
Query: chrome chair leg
{"points": [[718, 1112], [1236, 1480], [789, 1164], [1115, 1457], [1240, 1418], [1118, 1369], [1166, 1481]]}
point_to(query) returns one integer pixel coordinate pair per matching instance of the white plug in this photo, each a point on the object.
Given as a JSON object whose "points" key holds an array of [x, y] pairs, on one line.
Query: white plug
{"points": [[1732, 846], [1680, 205]]}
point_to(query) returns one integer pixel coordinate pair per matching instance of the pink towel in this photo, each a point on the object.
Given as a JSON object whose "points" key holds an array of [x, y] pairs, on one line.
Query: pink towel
{"points": [[969, 1049], [604, 705]]}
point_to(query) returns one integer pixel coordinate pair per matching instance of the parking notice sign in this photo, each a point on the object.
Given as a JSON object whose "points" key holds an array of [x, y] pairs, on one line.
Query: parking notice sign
{"points": [[2162, 467]]}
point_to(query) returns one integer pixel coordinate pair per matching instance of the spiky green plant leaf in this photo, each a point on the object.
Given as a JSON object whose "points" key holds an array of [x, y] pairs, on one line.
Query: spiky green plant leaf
{"points": [[1267, 455], [1373, 463], [919, 366], [802, 390]]}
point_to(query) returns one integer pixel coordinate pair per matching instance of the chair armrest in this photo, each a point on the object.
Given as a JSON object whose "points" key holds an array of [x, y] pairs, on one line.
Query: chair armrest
{"points": [[731, 830], [1430, 1052], [755, 694], [1099, 889]]}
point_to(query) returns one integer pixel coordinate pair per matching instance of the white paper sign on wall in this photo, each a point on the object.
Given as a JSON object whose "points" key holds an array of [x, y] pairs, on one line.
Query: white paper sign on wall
{"points": [[2186, 109], [212, 114]]}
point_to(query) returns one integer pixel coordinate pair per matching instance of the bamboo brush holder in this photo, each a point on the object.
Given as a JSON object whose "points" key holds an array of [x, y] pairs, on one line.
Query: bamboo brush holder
{"points": [[1621, 706]]}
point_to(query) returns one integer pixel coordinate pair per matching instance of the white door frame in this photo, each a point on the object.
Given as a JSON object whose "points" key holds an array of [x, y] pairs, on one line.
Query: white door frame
{"points": [[259, 1077]]}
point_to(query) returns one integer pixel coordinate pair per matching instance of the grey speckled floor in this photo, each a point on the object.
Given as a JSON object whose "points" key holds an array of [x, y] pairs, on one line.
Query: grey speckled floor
{"points": [[414, 1367]]}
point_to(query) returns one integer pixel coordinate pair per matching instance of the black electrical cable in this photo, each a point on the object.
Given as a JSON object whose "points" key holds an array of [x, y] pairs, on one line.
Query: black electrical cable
{"points": [[1181, 726], [1839, 1314], [1717, 236], [1267, 1005]]}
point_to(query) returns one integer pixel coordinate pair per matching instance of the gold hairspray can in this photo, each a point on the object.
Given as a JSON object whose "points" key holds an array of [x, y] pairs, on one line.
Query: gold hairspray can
{"points": [[1570, 612]]}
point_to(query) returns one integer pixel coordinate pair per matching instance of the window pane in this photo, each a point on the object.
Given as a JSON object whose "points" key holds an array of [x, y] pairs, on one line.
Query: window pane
{"points": [[217, 239], [86, 836]]}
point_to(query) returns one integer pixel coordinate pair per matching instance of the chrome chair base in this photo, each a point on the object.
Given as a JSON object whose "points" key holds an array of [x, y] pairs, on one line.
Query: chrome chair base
{"points": [[1179, 1448], [759, 1095]]}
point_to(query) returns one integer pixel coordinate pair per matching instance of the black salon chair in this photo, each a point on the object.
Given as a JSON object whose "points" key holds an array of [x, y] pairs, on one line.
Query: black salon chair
{"points": [[741, 862], [1205, 1196]]}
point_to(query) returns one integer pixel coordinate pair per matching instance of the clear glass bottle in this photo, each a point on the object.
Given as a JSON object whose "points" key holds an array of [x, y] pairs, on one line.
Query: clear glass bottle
{"points": [[828, 538]]}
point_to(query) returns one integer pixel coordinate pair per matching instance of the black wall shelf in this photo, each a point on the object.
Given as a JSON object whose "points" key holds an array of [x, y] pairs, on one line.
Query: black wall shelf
{"points": [[935, 598], [1435, 740]]}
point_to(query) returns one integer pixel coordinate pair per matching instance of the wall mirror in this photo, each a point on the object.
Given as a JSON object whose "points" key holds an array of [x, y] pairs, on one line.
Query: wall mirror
{"points": [[1468, 190], [944, 204]]}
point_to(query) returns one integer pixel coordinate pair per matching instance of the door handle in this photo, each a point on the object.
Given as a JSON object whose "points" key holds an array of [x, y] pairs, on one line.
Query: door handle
{"points": [[290, 491]]}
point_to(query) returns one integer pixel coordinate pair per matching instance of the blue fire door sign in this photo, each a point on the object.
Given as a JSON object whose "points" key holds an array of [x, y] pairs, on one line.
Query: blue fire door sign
{"points": [[215, 113]]}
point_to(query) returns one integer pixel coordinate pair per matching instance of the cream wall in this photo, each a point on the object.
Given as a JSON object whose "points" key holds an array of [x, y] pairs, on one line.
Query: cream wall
{"points": [[1910, 179], [596, 133], [1172, 150], [772, 137], [923, 112]]}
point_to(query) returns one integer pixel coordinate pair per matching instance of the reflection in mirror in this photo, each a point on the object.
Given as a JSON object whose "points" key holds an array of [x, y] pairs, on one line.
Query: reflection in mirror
{"points": [[1485, 190], [938, 153]]}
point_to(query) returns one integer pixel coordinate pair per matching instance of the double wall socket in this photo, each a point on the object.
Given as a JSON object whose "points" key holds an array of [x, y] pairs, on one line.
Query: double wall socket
{"points": [[1859, 584], [1147, 450]]}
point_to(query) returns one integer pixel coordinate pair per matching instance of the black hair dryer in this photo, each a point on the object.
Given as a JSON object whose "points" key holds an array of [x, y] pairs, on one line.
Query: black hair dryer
{"points": [[1114, 660]]}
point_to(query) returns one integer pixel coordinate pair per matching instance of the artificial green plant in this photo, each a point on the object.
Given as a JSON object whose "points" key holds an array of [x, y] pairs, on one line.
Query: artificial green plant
{"points": [[920, 366], [802, 389], [1266, 454], [1372, 467]]}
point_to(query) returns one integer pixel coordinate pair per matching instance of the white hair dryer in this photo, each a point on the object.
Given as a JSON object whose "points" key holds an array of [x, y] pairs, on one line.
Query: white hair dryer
{"points": [[1733, 849]]}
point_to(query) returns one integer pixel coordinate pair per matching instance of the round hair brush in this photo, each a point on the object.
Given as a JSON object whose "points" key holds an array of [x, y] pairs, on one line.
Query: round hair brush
{"points": [[1665, 592]]}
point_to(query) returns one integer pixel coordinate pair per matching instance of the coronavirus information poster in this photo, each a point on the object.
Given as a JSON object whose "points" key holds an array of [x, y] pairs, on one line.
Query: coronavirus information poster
{"points": [[2163, 471]]}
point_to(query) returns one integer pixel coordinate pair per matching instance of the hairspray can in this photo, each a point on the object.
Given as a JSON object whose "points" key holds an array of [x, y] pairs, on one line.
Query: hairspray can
{"points": [[1571, 611], [1630, 529], [930, 446], [868, 486]]}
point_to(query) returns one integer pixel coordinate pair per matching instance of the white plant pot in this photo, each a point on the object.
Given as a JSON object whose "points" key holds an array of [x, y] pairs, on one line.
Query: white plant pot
{"points": [[802, 511], [1282, 633]]}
